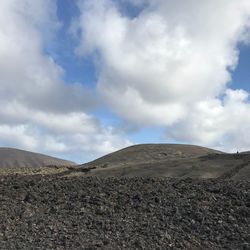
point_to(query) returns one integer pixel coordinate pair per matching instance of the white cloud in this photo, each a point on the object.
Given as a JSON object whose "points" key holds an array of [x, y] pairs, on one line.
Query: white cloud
{"points": [[27, 75], [170, 66], [39, 111], [75, 146], [224, 124]]}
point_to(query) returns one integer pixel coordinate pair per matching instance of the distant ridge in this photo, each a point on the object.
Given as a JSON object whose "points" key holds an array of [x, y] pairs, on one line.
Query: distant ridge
{"points": [[245, 152], [16, 158]]}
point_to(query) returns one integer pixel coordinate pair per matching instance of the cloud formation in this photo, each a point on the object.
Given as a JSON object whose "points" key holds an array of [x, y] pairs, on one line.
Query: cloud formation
{"points": [[171, 66], [166, 64], [38, 110]]}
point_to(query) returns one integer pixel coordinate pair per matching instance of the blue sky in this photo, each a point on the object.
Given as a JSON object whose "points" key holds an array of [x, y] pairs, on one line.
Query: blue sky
{"points": [[83, 69], [62, 50], [241, 75], [80, 79]]}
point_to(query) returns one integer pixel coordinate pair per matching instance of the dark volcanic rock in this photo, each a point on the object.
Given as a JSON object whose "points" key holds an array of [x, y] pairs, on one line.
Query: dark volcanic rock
{"points": [[126, 213]]}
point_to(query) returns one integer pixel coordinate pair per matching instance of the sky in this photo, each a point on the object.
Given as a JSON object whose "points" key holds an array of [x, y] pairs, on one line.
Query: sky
{"points": [[80, 79]]}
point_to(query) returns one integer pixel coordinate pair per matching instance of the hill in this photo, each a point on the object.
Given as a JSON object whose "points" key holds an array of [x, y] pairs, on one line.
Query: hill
{"points": [[143, 153], [16, 158], [146, 160], [170, 160]]}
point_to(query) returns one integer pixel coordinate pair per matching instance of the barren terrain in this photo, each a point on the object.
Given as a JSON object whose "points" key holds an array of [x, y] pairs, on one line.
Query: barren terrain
{"points": [[142, 197], [123, 213], [171, 160], [16, 158]]}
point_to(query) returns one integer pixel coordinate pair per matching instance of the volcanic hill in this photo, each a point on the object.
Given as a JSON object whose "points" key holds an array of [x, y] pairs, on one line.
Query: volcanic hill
{"points": [[16, 158], [170, 160]]}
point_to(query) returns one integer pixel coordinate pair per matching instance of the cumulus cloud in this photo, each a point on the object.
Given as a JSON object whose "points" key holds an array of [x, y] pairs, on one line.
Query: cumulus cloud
{"points": [[221, 123], [79, 147], [171, 65], [38, 110], [27, 75]]}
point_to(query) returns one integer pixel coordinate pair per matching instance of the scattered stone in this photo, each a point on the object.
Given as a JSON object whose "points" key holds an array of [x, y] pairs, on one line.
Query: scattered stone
{"points": [[123, 213]]}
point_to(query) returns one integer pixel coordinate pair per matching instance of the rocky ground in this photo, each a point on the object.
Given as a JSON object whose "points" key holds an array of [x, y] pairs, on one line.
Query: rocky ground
{"points": [[53, 212]]}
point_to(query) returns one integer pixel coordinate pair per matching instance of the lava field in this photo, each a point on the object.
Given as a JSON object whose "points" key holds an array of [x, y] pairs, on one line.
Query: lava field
{"points": [[52, 212]]}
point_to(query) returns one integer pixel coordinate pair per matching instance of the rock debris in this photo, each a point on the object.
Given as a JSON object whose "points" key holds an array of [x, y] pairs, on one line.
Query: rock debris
{"points": [[51, 212]]}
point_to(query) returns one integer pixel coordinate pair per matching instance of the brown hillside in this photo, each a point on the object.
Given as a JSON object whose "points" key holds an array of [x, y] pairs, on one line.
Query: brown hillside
{"points": [[15, 158]]}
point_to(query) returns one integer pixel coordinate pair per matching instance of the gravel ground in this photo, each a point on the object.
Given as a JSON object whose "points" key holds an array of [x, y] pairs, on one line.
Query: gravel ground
{"points": [[116, 213]]}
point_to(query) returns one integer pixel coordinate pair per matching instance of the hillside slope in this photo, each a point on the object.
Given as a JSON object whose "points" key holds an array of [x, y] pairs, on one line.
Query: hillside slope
{"points": [[143, 153], [170, 160], [16, 158]]}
